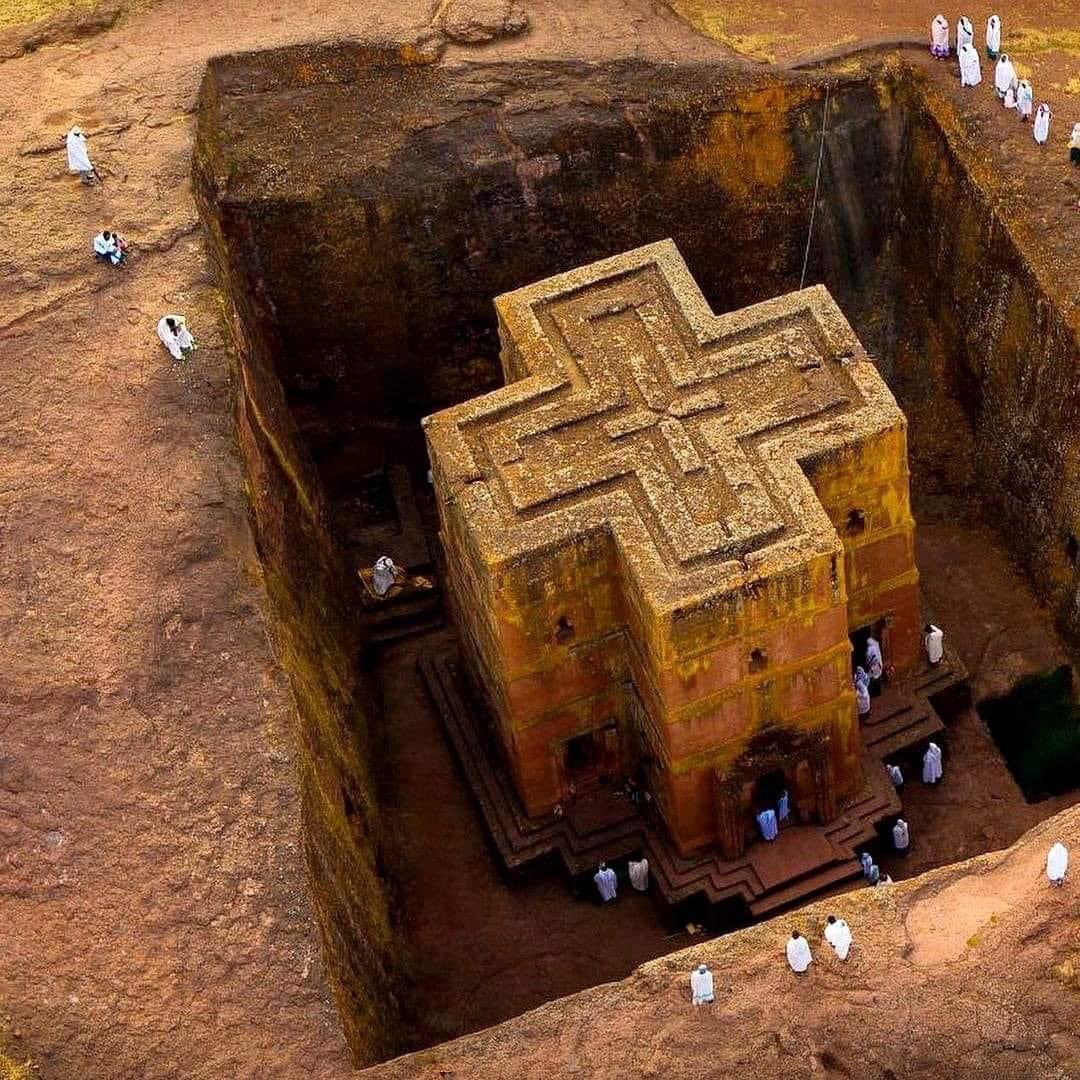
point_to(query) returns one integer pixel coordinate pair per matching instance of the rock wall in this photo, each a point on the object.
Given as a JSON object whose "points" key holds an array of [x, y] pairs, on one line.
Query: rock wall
{"points": [[317, 644], [985, 364]]}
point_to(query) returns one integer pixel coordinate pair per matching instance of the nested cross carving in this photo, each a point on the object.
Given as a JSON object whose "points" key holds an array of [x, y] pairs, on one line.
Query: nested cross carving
{"points": [[629, 399]]}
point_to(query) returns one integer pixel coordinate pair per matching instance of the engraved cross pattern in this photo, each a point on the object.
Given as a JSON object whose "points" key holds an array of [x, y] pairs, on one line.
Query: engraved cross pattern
{"points": [[644, 407]]}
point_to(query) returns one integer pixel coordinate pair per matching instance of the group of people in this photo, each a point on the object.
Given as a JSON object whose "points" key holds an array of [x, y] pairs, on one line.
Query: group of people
{"points": [[838, 935], [769, 820], [1013, 93], [111, 248], [868, 676], [607, 883]]}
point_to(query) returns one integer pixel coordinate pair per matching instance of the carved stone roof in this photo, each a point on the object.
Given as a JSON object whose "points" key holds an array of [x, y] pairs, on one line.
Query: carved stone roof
{"points": [[631, 407]]}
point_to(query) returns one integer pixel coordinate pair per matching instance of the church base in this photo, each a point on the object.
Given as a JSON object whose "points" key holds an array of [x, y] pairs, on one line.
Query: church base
{"points": [[605, 826]]}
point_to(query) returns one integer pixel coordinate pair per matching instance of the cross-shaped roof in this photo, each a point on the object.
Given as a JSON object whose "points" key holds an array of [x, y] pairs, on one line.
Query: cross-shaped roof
{"points": [[632, 408]]}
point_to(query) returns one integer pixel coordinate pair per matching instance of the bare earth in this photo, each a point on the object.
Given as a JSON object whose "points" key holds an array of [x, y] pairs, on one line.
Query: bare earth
{"points": [[153, 914]]}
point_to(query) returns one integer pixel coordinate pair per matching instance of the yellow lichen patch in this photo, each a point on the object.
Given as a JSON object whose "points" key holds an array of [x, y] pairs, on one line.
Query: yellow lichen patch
{"points": [[755, 135], [707, 17], [1029, 40], [1073, 85], [20, 12], [12, 1070], [1068, 972]]}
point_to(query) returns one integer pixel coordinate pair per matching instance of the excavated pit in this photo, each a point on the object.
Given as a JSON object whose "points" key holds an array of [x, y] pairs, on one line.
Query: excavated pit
{"points": [[364, 210]]}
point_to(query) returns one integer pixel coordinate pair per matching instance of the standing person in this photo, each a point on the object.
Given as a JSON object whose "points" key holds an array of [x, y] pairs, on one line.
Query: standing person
{"points": [[1004, 74], [862, 693], [934, 643], [939, 37], [79, 157], [639, 874], [866, 861], [932, 770], [1057, 862], [767, 823], [838, 935], [1043, 116], [783, 807], [606, 883], [798, 953], [1074, 145], [901, 836], [875, 666], [965, 33], [1025, 99], [970, 70], [896, 776], [993, 37], [701, 986]]}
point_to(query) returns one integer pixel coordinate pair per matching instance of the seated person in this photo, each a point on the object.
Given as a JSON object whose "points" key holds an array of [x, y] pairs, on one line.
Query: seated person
{"points": [[106, 248]]}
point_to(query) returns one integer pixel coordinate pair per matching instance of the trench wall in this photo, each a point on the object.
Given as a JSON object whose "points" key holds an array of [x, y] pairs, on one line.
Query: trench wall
{"points": [[983, 360], [314, 629]]}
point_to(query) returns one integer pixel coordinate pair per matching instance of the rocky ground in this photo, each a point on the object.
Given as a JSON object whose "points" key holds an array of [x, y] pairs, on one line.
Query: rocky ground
{"points": [[153, 913]]}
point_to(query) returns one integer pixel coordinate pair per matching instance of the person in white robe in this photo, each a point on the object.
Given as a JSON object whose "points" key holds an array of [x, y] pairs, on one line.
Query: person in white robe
{"points": [[767, 824], [79, 157], [965, 33], [933, 643], [1009, 101], [901, 836], [174, 335], [1074, 145], [1025, 99], [873, 875], [970, 70], [874, 664], [862, 692], [932, 764], [798, 953], [866, 862], [1057, 862], [993, 37], [701, 986], [383, 575], [783, 807], [1041, 131], [107, 249], [1004, 74], [896, 775], [939, 37], [838, 935], [639, 874], [606, 883]]}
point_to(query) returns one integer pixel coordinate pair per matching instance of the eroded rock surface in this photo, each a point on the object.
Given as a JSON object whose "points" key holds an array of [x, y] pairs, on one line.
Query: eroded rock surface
{"points": [[474, 22]]}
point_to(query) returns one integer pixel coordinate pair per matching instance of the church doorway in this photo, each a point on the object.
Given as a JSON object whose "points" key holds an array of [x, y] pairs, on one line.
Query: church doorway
{"points": [[768, 789], [581, 761]]}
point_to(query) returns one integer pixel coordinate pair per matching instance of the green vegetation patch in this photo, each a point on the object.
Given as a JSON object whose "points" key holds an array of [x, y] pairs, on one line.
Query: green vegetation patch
{"points": [[1037, 727]]}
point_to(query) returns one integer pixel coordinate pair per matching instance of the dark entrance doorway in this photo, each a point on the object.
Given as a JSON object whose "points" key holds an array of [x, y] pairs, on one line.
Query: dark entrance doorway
{"points": [[581, 760], [768, 789]]}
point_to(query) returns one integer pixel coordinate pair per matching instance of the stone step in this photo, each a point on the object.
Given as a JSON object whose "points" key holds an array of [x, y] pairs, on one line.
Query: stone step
{"points": [[798, 892]]}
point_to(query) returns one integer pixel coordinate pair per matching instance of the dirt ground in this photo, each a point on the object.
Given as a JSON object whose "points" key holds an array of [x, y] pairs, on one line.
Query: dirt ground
{"points": [[153, 913]]}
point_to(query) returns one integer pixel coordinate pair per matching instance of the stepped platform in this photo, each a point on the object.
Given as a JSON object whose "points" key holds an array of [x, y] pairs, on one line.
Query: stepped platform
{"points": [[397, 531], [606, 826]]}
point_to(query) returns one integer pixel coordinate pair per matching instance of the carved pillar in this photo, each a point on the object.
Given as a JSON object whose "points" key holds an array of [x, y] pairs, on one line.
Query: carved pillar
{"points": [[730, 827], [886, 645]]}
